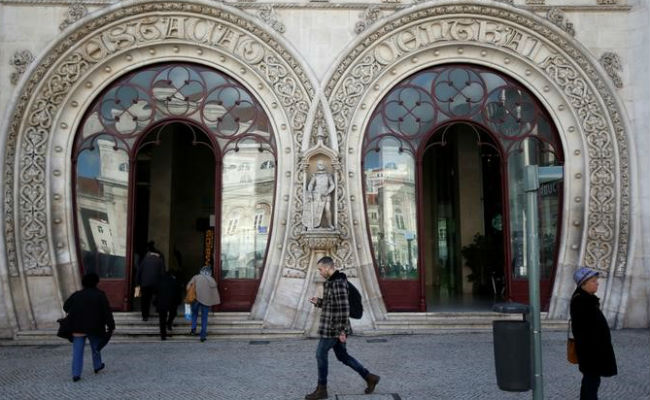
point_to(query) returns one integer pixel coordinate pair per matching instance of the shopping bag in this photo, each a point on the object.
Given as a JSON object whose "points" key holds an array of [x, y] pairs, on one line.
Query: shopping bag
{"points": [[191, 294], [571, 353], [65, 328], [188, 312]]}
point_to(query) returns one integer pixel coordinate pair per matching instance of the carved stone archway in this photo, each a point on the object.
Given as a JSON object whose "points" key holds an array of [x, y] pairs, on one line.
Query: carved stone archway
{"points": [[38, 213], [566, 78]]}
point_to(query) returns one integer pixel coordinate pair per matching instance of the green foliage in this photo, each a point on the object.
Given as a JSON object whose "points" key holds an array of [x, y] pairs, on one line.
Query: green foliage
{"points": [[483, 257]]}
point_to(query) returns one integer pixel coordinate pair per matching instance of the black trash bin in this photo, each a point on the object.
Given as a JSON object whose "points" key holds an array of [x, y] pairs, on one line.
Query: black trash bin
{"points": [[512, 349]]}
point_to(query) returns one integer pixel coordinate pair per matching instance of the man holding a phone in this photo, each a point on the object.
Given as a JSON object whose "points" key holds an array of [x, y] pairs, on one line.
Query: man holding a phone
{"points": [[334, 328]]}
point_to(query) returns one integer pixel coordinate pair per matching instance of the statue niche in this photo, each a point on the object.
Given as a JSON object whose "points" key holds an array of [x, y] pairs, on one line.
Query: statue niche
{"points": [[318, 206]]}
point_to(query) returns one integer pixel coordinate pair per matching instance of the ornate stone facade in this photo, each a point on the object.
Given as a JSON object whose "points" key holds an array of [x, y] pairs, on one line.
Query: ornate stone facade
{"points": [[20, 61], [316, 118], [612, 64], [75, 12]]}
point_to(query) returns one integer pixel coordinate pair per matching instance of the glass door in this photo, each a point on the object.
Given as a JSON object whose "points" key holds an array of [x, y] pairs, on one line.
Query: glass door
{"points": [[248, 183], [391, 203], [102, 203]]}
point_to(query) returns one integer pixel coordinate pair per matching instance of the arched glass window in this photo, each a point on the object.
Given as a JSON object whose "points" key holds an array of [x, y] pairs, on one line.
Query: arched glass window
{"points": [[211, 109], [418, 115]]}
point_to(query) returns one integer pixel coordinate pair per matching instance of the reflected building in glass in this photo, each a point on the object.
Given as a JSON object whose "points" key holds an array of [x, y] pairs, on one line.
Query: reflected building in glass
{"points": [[102, 209]]}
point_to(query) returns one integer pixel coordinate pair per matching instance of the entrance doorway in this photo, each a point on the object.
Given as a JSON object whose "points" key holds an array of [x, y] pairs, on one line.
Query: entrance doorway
{"points": [[462, 209], [444, 155], [174, 198], [162, 155]]}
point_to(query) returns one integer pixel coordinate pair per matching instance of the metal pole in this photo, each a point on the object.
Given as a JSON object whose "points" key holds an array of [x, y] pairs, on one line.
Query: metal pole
{"points": [[532, 239]]}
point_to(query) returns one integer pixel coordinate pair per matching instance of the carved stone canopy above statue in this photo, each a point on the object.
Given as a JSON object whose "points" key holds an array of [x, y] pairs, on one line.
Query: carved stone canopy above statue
{"points": [[319, 165]]}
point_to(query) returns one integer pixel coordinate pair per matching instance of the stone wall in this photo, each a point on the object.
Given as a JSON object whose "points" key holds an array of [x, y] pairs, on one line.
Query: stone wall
{"points": [[320, 38]]}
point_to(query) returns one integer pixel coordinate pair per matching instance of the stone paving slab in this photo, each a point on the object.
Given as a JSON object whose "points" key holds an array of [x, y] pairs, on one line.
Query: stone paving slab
{"points": [[443, 366]]}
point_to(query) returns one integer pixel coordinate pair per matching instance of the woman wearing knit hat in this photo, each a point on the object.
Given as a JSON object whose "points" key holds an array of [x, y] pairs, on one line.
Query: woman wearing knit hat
{"points": [[207, 295], [591, 332]]}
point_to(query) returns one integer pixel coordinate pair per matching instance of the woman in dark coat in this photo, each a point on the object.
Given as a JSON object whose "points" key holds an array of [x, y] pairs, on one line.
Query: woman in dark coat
{"points": [[591, 332], [90, 316]]}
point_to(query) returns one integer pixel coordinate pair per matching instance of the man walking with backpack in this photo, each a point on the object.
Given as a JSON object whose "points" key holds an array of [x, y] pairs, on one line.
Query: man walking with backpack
{"points": [[334, 328]]}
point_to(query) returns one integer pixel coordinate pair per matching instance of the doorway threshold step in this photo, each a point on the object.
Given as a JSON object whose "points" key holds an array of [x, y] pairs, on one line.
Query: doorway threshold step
{"points": [[48, 336], [412, 323], [220, 316], [182, 322], [453, 314]]}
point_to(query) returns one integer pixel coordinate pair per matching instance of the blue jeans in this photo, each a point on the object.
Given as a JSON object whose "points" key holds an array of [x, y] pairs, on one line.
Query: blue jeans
{"points": [[324, 346], [78, 343], [204, 317]]}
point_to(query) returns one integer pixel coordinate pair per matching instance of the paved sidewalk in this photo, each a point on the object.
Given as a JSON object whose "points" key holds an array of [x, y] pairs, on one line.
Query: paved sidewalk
{"points": [[444, 366]]}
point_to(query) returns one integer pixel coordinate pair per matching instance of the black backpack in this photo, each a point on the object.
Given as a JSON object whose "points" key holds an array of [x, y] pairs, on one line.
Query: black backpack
{"points": [[354, 298]]}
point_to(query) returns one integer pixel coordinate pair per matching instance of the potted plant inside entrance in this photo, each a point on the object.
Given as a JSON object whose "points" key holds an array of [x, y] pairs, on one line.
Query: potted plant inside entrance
{"points": [[483, 257]]}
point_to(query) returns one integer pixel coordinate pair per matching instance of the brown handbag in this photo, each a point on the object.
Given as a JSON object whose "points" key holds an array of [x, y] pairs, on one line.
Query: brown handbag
{"points": [[571, 354], [190, 296]]}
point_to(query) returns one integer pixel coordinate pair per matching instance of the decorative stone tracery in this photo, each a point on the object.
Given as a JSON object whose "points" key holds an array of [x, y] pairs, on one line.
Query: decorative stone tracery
{"points": [[269, 16], [141, 25], [612, 64], [74, 13], [411, 39], [187, 30], [557, 16], [20, 61], [368, 17]]}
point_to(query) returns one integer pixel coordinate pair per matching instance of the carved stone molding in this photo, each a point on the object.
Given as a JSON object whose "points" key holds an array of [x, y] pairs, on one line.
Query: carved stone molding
{"points": [[557, 16], [321, 240], [20, 61], [368, 17], [612, 64], [269, 16], [318, 129], [74, 13], [110, 35], [530, 40], [612, 5]]}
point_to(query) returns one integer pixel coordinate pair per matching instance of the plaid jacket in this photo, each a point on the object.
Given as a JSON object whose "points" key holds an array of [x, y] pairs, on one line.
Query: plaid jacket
{"points": [[334, 317]]}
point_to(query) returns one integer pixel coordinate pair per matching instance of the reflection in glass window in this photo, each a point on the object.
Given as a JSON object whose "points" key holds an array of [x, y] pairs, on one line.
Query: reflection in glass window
{"points": [[390, 201], [233, 221], [427, 102], [247, 195], [102, 205], [153, 96], [532, 152], [268, 164]]}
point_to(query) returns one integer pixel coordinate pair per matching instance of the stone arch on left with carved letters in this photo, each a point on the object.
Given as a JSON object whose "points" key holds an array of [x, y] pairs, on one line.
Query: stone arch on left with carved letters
{"points": [[42, 268]]}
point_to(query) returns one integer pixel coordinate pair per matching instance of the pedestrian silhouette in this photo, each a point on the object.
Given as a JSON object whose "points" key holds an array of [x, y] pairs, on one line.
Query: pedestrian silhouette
{"points": [[90, 317], [334, 328]]}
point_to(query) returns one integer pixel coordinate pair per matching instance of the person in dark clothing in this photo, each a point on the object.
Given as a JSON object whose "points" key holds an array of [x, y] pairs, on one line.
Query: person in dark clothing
{"points": [[151, 269], [170, 295], [90, 317], [334, 328], [591, 332]]}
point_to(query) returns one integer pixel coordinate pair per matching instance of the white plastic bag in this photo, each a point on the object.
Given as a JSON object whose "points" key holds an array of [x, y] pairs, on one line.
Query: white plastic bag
{"points": [[188, 312]]}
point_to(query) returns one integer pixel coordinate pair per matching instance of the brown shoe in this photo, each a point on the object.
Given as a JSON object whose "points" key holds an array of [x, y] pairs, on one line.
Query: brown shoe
{"points": [[372, 381], [319, 393]]}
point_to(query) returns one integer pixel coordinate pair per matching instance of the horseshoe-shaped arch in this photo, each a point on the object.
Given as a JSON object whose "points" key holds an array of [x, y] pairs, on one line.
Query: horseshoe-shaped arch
{"points": [[567, 80], [61, 84]]}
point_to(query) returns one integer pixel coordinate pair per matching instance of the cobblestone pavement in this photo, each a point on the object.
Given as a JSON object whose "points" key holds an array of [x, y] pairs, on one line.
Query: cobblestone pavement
{"points": [[442, 366]]}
